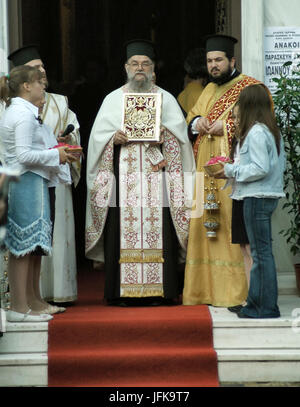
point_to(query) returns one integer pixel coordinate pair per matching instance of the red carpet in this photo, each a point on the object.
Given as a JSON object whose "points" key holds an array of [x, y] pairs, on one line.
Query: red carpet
{"points": [[95, 345]]}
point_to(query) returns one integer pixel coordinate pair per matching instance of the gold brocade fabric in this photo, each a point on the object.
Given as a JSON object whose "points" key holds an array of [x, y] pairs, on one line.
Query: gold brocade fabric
{"points": [[214, 271]]}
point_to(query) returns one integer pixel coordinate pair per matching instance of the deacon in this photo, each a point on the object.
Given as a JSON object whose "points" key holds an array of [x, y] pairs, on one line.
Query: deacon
{"points": [[58, 272], [138, 197], [214, 272], [195, 80]]}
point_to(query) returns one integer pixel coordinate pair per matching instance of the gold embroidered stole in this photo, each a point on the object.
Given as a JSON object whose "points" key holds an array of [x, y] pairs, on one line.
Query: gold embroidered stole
{"points": [[141, 221], [56, 116], [141, 256], [55, 121], [222, 107]]}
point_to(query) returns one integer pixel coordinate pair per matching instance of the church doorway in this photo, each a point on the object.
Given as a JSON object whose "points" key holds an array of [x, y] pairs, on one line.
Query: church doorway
{"points": [[71, 32], [82, 45]]}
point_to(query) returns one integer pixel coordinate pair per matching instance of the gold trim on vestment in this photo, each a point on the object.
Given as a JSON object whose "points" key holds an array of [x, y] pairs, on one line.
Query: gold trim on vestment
{"points": [[215, 263], [59, 120], [45, 109], [141, 256], [65, 122], [141, 290]]}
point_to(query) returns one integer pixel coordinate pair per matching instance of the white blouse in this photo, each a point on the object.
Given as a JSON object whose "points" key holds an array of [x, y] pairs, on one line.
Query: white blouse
{"points": [[24, 140]]}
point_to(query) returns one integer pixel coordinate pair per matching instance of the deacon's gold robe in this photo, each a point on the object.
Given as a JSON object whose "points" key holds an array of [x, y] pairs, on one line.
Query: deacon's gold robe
{"points": [[190, 94], [214, 271]]}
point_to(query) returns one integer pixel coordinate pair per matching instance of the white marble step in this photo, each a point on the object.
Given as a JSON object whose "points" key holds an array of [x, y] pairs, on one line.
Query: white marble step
{"points": [[23, 354], [29, 369], [231, 332], [24, 338], [259, 366], [254, 355], [258, 350], [256, 338]]}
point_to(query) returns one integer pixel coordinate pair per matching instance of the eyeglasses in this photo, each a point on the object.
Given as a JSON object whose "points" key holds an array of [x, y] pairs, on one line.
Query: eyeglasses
{"points": [[145, 64]]}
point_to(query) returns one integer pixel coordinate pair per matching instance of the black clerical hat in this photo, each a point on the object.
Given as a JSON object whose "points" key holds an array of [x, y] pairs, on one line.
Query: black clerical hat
{"points": [[140, 47], [23, 55], [220, 42]]}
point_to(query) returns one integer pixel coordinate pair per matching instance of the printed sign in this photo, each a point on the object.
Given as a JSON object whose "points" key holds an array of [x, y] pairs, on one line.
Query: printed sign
{"points": [[281, 45]]}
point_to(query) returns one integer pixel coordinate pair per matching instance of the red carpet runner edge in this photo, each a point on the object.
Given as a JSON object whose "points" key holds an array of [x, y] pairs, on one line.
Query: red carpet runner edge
{"points": [[95, 345]]}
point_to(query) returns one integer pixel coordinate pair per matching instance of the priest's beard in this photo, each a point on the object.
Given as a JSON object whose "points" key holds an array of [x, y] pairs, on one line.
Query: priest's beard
{"points": [[142, 85], [45, 81], [223, 78]]}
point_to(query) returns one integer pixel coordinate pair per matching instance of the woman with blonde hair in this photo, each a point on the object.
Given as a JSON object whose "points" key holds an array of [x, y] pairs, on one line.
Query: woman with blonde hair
{"points": [[29, 227]]}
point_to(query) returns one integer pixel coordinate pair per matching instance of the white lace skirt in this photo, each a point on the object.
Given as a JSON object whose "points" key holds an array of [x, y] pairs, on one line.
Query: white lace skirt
{"points": [[29, 225]]}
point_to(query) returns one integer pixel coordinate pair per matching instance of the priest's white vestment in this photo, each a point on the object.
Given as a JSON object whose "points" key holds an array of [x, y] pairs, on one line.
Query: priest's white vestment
{"points": [[141, 206], [59, 271]]}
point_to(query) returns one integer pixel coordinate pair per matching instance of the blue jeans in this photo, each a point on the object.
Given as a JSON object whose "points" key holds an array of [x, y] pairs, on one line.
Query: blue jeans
{"points": [[263, 290]]}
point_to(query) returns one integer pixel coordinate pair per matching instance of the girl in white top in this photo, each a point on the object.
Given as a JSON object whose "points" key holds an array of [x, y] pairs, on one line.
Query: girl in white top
{"points": [[29, 226]]}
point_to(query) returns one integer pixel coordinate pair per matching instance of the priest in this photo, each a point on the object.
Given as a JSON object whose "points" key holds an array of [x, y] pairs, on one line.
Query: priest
{"points": [[214, 272], [139, 192]]}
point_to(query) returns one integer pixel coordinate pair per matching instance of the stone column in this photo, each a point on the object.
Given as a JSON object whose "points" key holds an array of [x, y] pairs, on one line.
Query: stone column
{"points": [[252, 13], [14, 29], [3, 37]]}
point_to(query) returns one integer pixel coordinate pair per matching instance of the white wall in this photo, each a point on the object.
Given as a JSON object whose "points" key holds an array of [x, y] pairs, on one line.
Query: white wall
{"points": [[281, 13]]}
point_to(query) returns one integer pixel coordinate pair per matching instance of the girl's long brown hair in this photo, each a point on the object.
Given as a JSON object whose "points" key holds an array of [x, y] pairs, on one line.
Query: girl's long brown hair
{"points": [[255, 106]]}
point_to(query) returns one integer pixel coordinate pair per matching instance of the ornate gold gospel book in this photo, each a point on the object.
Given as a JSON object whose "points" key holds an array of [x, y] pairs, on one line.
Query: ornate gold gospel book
{"points": [[142, 116]]}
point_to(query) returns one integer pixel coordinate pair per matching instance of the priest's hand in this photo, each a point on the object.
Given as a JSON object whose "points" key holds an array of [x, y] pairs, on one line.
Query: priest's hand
{"points": [[65, 139], [163, 132], [202, 125], [216, 129], [120, 137]]}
